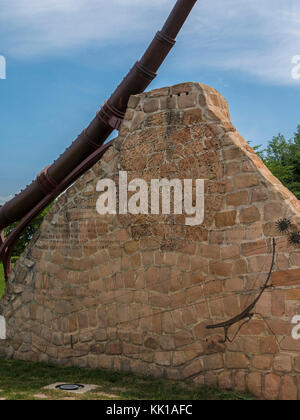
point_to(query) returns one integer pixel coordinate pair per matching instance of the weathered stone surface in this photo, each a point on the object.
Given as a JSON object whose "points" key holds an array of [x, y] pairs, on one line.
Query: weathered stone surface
{"points": [[272, 386], [289, 389], [136, 292], [255, 384], [225, 380], [249, 215], [225, 219], [283, 363], [262, 362], [287, 278], [236, 361]]}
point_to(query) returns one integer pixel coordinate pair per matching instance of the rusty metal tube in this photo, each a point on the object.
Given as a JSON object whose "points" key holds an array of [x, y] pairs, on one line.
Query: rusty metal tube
{"points": [[108, 118]]}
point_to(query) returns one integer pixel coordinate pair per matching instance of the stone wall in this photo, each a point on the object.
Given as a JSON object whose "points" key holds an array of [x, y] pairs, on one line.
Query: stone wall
{"points": [[135, 293]]}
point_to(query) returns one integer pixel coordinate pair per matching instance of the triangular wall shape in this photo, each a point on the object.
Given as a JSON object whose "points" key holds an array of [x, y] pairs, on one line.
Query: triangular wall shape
{"points": [[136, 292]]}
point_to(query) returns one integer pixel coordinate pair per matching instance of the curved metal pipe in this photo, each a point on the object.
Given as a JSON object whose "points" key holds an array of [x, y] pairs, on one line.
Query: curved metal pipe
{"points": [[108, 118]]}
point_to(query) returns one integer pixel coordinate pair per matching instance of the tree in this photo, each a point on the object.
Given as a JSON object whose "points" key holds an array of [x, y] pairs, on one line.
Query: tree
{"points": [[28, 233], [282, 157]]}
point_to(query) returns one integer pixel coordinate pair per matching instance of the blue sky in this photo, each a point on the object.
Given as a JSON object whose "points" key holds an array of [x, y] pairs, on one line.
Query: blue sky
{"points": [[65, 57]]}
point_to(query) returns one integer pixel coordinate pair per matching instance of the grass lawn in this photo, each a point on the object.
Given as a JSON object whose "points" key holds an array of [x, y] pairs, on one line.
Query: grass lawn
{"points": [[25, 381], [2, 280]]}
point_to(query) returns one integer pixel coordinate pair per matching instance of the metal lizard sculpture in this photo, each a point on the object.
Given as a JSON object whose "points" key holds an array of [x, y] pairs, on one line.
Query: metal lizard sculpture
{"points": [[246, 313]]}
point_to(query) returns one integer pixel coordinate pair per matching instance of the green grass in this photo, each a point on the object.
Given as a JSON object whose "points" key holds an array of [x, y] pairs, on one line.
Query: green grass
{"points": [[25, 381], [2, 281]]}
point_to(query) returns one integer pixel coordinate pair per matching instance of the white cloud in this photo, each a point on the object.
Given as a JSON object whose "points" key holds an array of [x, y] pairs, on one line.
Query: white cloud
{"points": [[42, 26], [258, 38], [3, 200]]}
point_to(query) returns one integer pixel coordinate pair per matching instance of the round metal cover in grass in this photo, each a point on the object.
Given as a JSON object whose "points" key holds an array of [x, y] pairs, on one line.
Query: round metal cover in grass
{"points": [[70, 387]]}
